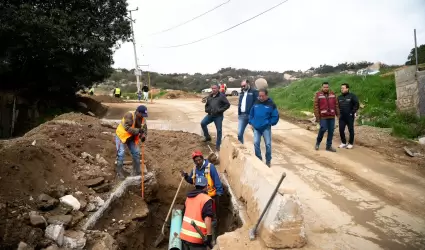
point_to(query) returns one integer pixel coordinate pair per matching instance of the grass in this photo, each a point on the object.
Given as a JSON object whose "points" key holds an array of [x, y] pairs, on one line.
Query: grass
{"points": [[376, 93]]}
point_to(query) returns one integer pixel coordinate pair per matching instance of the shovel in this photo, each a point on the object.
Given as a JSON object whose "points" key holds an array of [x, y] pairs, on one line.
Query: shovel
{"points": [[212, 157], [162, 235]]}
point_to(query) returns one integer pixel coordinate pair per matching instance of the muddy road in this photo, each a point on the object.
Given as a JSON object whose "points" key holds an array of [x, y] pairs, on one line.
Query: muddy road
{"points": [[352, 199]]}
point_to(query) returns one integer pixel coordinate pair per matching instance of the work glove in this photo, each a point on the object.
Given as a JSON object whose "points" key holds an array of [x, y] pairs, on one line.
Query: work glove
{"points": [[183, 173], [208, 242]]}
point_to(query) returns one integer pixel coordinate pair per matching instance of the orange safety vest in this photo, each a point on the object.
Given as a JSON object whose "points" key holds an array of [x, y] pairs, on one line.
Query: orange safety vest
{"points": [[123, 134], [222, 88], [211, 188], [193, 212]]}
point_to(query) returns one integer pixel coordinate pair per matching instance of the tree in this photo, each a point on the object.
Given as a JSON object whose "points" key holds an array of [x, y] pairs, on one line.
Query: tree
{"points": [[59, 46], [411, 58]]}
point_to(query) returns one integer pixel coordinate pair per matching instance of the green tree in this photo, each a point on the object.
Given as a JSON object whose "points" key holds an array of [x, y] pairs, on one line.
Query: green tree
{"points": [[411, 58], [59, 46]]}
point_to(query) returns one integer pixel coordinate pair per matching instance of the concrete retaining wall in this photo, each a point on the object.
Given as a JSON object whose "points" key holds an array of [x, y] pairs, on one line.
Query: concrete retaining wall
{"points": [[253, 183]]}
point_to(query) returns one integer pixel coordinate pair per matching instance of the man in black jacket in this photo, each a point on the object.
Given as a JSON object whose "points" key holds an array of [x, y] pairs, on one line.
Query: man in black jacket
{"points": [[348, 106], [215, 106]]}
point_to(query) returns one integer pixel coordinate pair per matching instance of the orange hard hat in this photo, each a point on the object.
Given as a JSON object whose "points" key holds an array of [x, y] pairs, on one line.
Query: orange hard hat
{"points": [[197, 153]]}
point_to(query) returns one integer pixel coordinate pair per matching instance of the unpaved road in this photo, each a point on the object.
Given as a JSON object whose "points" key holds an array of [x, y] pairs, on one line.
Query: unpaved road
{"points": [[352, 199]]}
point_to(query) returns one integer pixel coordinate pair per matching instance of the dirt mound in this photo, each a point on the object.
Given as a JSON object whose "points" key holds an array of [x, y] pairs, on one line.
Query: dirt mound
{"points": [[106, 99], [176, 94], [60, 156]]}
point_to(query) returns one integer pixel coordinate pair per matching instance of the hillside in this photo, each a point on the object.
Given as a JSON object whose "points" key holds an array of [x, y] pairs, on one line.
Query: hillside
{"points": [[377, 96]]}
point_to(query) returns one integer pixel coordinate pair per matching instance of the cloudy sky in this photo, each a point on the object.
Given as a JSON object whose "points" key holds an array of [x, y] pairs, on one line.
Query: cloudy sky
{"points": [[296, 35]]}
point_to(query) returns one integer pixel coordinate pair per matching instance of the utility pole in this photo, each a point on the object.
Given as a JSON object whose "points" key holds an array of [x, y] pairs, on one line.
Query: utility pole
{"points": [[137, 71], [416, 49]]}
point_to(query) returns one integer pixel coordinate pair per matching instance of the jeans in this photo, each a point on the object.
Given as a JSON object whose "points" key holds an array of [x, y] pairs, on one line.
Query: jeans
{"points": [[218, 122], [267, 134], [135, 153], [349, 122], [326, 125], [242, 123]]}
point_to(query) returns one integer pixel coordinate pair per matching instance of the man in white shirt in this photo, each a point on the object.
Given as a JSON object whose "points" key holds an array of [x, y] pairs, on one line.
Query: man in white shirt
{"points": [[247, 98]]}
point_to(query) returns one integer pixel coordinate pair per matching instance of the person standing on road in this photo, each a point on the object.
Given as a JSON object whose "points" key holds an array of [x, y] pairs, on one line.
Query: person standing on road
{"points": [[198, 208], [348, 106], [206, 169], [215, 106], [325, 109], [139, 95], [117, 92], [247, 98], [262, 117], [129, 132], [145, 90]]}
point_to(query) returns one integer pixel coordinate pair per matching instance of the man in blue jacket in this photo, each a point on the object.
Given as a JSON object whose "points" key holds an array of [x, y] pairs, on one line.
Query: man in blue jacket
{"points": [[247, 98], [263, 115]]}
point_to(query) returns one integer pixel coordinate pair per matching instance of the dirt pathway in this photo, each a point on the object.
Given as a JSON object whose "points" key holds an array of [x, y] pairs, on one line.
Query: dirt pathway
{"points": [[352, 199]]}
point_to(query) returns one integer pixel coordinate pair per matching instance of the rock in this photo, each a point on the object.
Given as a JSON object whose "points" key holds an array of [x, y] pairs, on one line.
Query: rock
{"points": [[60, 220], [87, 156], [91, 207], [71, 201], [53, 247], [44, 243], [57, 191], [55, 233], [96, 201], [101, 160], [422, 140], [408, 152], [91, 114], [82, 200], [106, 187], [95, 182], [46, 202], [37, 220], [24, 246], [77, 216], [74, 239]]}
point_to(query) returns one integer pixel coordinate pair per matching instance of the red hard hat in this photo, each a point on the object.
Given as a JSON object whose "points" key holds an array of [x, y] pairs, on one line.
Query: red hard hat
{"points": [[197, 153]]}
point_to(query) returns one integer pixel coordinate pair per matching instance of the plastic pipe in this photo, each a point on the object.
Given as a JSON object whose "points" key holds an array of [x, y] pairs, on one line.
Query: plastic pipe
{"points": [[176, 224]]}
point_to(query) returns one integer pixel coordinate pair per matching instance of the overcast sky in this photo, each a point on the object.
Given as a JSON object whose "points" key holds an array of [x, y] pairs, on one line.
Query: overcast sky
{"points": [[296, 35]]}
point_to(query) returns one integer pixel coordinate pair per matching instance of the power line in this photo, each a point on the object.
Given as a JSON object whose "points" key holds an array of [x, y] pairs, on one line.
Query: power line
{"points": [[221, 32], [203, 14]]}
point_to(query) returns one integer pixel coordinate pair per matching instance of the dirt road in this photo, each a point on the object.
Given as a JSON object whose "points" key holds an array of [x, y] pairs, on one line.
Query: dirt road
{"points": [[352, 199]]}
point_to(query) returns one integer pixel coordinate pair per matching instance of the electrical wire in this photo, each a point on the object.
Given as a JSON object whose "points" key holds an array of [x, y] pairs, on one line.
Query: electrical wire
{"points": [[203, 14], [221, 32]]}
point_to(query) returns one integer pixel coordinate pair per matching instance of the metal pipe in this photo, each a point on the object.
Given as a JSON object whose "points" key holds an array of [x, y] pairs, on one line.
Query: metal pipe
{"points": [[174, 242]]}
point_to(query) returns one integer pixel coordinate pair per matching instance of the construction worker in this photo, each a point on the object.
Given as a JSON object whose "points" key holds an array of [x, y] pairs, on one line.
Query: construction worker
{"points": [[91, 91], [145, 90], [204, 168], [199, 209], [117, 92], [130, 131], [223, 87]]}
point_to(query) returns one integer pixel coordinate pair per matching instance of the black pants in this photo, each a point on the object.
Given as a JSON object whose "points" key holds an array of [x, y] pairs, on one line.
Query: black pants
{"points": [[190, 246], [346, 121]]}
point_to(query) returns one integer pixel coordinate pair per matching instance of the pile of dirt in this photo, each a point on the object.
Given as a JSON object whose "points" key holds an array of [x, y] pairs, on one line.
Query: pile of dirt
{"points": [[106, 99], [61, 157], [176, 94]]}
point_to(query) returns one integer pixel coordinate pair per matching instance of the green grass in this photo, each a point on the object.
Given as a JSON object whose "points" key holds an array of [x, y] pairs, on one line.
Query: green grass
{"points": [[376, 93]]}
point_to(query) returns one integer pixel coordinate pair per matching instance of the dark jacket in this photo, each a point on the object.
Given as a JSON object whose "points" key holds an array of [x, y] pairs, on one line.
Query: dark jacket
{"points": [[207, 210], [216, 105], [263, 115], [251, 98], [145, 88], [214, 176], [128, 122], [348, 104]]}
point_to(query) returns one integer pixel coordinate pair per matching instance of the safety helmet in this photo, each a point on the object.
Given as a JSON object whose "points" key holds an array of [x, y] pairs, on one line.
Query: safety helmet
{"points": [[197, 153]]}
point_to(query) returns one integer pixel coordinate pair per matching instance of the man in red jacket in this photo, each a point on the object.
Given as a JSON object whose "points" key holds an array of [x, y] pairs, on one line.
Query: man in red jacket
{"points": [[326, 107]]}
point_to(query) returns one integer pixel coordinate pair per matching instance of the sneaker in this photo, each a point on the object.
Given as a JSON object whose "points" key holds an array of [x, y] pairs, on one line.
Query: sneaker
{"points": [[342, 145], [331, 149], [317, 147], [350, 146]]}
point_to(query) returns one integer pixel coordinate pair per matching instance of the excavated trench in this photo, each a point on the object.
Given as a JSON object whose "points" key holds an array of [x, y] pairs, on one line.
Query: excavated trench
{"points": [[136, 223]]}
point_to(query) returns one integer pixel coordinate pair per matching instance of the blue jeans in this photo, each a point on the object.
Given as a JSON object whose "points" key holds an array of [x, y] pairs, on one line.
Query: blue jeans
{"points": [[242, 123], [329, 125], [218, 122], [267, 134], [135, 153]]}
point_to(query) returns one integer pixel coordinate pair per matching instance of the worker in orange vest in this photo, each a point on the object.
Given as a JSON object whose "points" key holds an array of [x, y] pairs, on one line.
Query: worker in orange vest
{"points": [[197, 209], [223, 87], [130, 131]]}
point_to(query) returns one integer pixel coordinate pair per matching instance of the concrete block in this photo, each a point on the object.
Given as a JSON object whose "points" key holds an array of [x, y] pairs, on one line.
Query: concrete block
{"points": [[253, 183], [405, 74]]}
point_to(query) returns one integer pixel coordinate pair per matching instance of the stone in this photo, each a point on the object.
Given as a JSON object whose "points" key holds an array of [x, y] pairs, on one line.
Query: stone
{"points": [[46, 202], [37, 220], [57, 191], [55, 233], [101, 160], [94, 182], [71, 201], [87, 156], [24, 246], [53, 247], [106, 187], [60, 220], [91, 207], [422, 140], [77, 216], [74, 239]]}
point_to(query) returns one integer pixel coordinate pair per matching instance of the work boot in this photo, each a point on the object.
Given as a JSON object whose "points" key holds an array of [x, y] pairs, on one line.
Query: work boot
{"points": [[317, 147], [206, 139], [268, 164], [136, 169], [330, 149], [119, 170]]}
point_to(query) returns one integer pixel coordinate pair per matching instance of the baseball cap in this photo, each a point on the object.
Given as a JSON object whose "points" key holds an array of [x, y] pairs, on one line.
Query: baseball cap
{"points": [[143, 110], [201, 181]]}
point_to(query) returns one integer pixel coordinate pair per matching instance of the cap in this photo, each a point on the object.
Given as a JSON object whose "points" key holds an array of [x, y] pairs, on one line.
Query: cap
{"points": [[143, 110], [201, 181], [196, 154]]}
